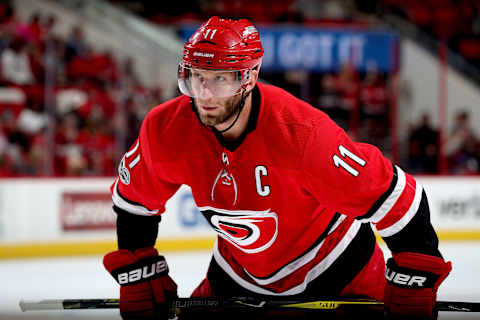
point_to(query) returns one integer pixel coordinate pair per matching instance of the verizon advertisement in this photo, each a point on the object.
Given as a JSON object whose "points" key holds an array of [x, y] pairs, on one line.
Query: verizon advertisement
{"points": [[65, 209], [86, 211]]}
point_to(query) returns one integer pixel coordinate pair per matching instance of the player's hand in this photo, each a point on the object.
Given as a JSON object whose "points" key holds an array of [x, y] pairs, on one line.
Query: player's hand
{"points": [[145, 286], [412, 283]]}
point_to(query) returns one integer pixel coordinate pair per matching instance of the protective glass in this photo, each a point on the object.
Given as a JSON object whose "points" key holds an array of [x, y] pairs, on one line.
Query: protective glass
{"points": [[204, 84]]}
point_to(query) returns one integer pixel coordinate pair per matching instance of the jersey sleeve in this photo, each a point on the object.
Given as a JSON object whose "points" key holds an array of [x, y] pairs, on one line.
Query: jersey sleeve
{"points": [[140, 188], [357, 180]]}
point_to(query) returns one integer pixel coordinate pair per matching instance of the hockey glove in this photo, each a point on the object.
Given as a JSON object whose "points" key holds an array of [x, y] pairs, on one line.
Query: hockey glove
{"points": [[412, 283], [145, 286]]}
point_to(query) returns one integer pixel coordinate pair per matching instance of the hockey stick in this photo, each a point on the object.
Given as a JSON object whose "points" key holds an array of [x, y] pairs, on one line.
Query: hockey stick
{"points": [[242, 302]]}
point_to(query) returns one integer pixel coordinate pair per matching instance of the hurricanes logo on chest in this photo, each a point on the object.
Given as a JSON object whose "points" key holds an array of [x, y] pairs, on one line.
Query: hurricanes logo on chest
{"points": [[250, 231]]}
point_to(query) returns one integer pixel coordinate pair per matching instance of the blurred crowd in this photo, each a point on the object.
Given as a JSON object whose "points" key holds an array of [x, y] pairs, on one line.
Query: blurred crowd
{"points": [[361, 102], [461, 147], [307, 12], [456, 22], [358, 101], [69, 110], [65, 109]]}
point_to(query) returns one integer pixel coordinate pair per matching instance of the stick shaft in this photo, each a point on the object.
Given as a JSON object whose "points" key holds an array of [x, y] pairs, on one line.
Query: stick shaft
{"points": [[59, 304], [189, 303], [459, 306]]}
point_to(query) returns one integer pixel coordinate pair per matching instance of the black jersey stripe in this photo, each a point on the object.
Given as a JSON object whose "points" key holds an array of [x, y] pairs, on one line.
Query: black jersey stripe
{"points": [[382, 198], [330, 283], [356, 256], [133, 203], [418, 235]]}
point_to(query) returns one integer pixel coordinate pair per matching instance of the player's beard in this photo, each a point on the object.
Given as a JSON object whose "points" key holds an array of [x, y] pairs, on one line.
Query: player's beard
{"points": [[228, 110]]}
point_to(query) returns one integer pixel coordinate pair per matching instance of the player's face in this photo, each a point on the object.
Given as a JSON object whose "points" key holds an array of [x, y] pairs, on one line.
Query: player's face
{"points": [[213, 105]]}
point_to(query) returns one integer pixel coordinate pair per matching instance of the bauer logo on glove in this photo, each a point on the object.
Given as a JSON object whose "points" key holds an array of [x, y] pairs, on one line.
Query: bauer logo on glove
{"points": [[141, 271], [406, 277]]}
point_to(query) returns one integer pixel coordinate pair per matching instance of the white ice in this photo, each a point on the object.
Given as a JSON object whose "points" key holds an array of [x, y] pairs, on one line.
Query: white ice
{"points": [[85, 277]]}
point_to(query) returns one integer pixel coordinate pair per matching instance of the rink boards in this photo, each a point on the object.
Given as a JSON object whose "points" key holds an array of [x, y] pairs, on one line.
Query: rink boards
{"points": [[48, 217]]}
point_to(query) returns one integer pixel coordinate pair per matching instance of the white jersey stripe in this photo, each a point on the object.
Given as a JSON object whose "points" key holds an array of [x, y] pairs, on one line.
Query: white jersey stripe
{"points": [[316, 271], [129, 153], [400, 224], [296, 264], [337, 223], [388, 204], [289, 268], [129, 207]]}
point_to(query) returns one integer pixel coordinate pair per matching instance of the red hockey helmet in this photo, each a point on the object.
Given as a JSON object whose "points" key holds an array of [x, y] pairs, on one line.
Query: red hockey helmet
{"points": [[220, 46]]}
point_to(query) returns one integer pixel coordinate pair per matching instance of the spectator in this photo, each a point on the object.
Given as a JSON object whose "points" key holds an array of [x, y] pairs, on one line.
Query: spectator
{"points": [[32, 120], [66, 134], [422, 147], [35, 158], [34, 31], [461, 146], [18, 143], [75, 162], [8, 24], [15, 63], [6, 163], [76, 44], [69, 99]]}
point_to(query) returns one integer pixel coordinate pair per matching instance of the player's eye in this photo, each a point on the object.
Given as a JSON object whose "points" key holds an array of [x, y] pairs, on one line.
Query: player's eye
{"points": [[220, 79], [198, 76]]}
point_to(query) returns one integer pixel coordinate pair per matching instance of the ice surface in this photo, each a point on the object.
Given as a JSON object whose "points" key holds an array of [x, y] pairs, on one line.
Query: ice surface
{"points": [[85, 277]]}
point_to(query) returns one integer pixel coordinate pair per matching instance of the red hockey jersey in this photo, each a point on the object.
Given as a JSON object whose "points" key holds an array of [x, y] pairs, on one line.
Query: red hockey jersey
{"points": [[287, 203]]}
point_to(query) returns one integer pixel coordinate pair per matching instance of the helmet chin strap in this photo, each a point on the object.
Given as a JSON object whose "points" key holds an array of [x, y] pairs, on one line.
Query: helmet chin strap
{"points": [[242, 104]]}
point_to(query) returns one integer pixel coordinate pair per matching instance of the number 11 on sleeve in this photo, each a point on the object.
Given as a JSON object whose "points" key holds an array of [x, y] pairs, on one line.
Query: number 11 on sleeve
{"points": [[345, 153]]}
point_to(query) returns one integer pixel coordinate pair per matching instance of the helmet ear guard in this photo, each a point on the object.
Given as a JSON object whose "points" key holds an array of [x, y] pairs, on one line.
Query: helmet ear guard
{"points": [[246, 75], [183, 76]]}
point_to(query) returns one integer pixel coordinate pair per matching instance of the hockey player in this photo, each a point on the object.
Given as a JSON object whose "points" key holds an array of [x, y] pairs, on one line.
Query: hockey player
{"points": [[292, 197]]}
